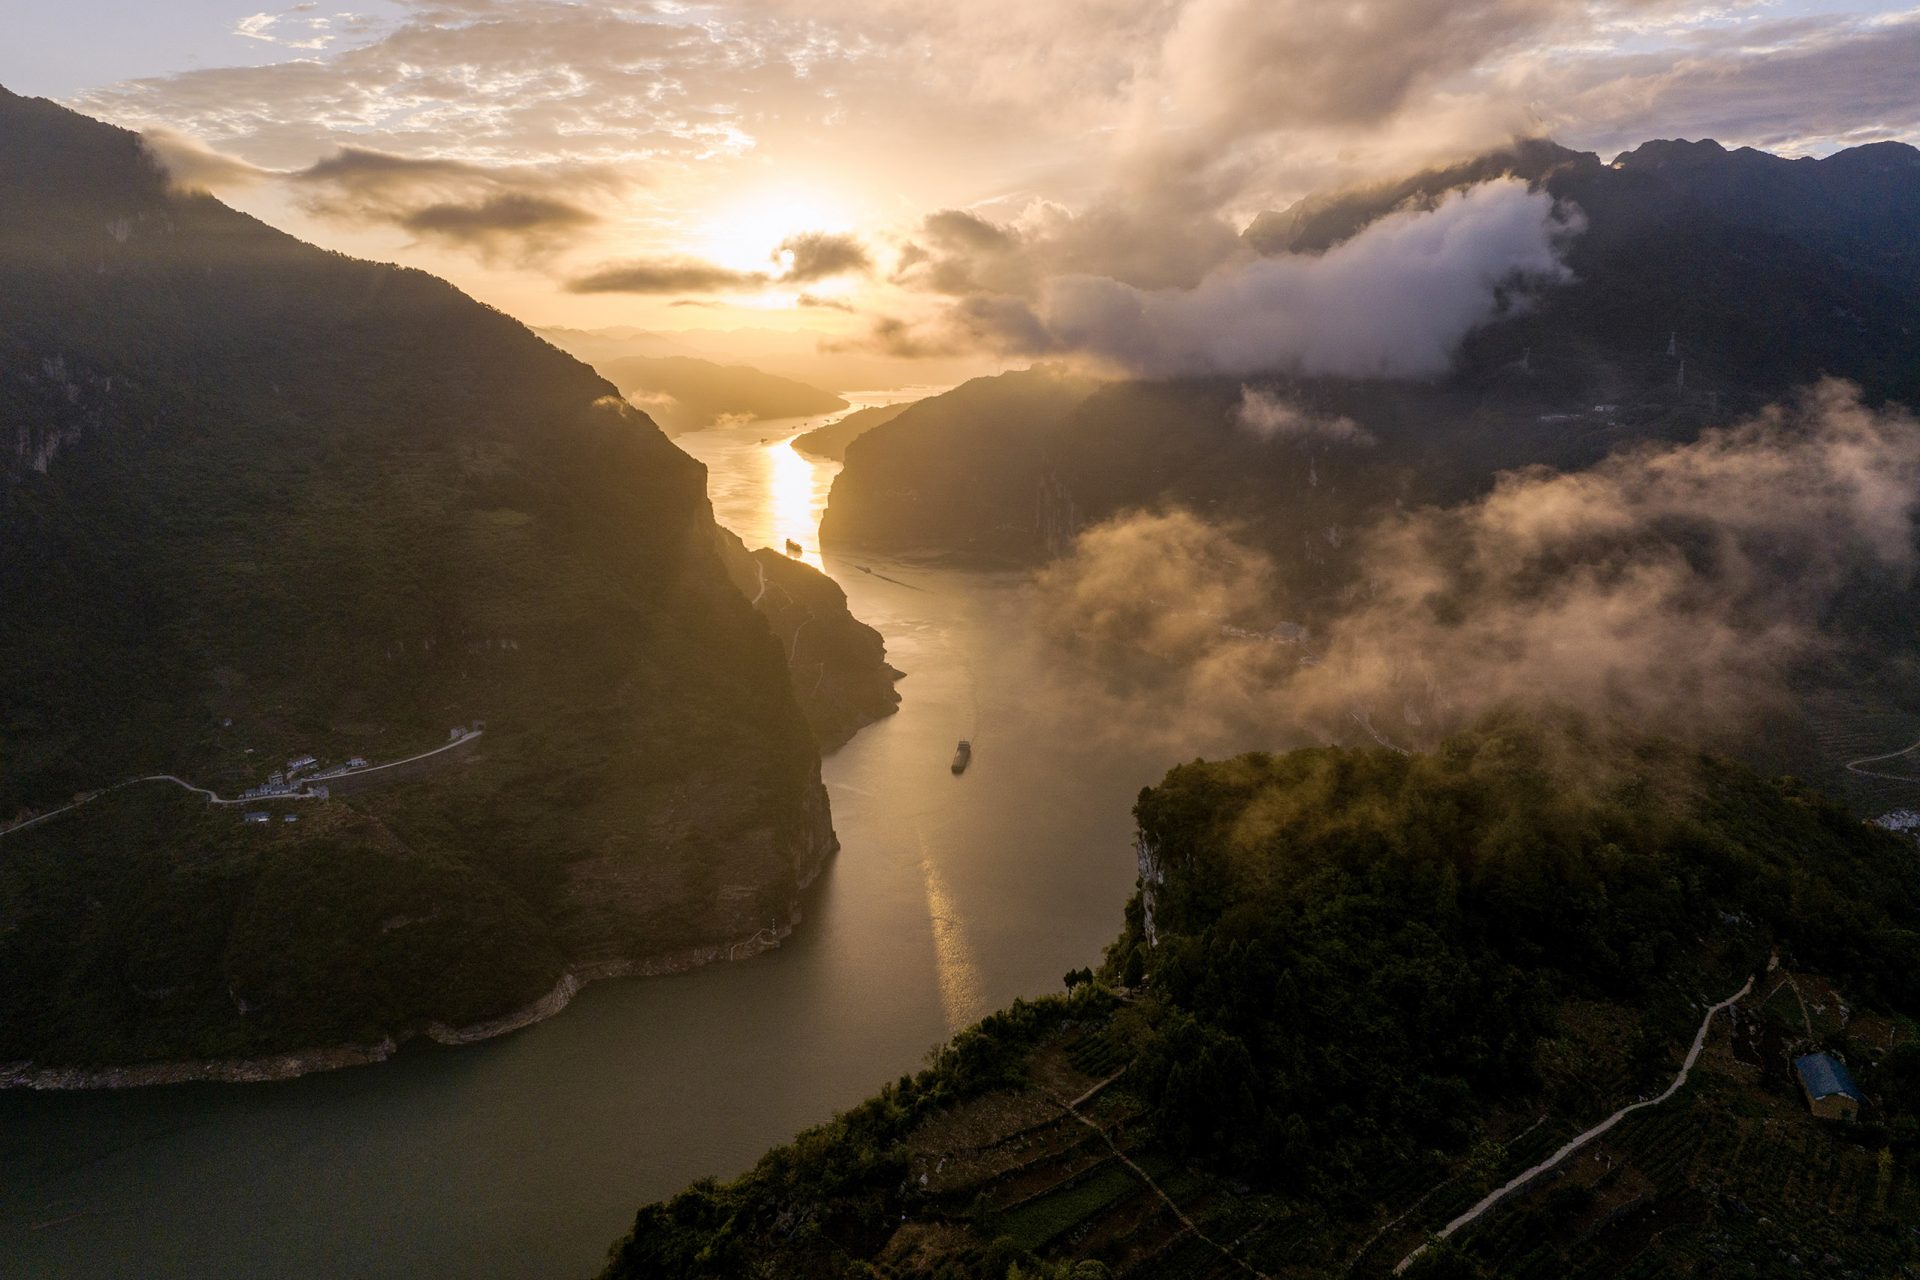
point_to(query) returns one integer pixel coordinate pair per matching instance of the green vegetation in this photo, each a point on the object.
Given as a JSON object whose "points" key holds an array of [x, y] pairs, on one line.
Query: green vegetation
{"points": [[151, 925], [1379, 986], [1357, 949], [344, 507]]}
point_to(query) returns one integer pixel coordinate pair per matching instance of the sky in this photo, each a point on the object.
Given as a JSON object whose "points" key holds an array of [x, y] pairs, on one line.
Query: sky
{"points": [[913, 176]]}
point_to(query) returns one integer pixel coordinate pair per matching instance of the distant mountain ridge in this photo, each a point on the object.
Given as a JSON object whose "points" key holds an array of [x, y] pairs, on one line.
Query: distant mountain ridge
{"points": [[686, 393], [267, 501], [1706, 283], [1767, 271]]}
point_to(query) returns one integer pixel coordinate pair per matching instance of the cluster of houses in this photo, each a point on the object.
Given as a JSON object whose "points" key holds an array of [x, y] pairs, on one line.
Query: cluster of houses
{"points": [[295, 780], [300, 778]]}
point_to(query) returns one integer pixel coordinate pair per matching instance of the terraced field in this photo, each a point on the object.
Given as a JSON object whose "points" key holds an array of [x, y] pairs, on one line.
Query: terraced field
{"points": [[1847, 728]]}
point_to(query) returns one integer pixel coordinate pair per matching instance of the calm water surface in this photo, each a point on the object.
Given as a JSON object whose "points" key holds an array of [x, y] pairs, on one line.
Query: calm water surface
{"points": [[527, 1156]]}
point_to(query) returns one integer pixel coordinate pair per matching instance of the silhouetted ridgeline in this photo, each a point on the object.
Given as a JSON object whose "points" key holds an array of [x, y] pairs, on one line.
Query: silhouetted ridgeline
{"points": [[259, 500]]}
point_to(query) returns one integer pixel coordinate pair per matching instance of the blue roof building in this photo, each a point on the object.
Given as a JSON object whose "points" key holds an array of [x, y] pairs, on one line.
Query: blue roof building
{"points": [[1829, 1086]]}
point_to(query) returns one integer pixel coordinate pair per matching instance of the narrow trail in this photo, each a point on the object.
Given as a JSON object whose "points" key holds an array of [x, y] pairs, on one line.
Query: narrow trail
{"points": [[1073, 1109], [1853, 766], [1522, 1179]]}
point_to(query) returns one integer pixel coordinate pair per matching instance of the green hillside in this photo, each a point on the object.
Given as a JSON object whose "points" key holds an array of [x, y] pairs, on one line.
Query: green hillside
{"points": [[258, 500], [1360, 990]]}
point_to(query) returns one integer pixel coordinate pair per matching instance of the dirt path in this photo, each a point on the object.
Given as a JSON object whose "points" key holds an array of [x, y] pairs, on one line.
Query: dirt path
{"points": [[1073, 1109], [1522, 1179]]}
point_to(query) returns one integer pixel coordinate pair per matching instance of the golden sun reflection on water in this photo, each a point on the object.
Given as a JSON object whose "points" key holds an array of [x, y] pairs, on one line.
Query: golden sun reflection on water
{"points": [[954, 964], [796, 493]]}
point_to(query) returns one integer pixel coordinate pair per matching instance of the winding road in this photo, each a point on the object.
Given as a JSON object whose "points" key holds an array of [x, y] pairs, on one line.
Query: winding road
{"points": [[1522, 1179], [1854, 765], [216, 798]]}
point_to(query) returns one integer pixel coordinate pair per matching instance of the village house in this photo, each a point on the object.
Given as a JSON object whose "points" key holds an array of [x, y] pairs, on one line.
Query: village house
{"points": [[1828, 1085], [256, 815]]}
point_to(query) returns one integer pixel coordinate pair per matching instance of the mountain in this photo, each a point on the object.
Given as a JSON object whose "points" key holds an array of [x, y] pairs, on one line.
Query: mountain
{"points": [[838, 663], [800, 354], [1765, 271], [1759, 274], [956, 473], [831, 441], [686, 393], [1359, 992], [268, 501]]}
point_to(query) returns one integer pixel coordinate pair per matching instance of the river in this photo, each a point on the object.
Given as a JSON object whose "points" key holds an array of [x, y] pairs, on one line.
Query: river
{"points": [[527, 1155]]}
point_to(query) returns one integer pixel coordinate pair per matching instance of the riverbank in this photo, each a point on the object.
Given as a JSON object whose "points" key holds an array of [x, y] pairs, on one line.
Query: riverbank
{"points": [[292, 1065]]}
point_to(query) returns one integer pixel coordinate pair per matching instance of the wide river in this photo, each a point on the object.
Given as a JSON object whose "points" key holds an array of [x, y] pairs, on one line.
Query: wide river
{"points": [[527, 1156]]}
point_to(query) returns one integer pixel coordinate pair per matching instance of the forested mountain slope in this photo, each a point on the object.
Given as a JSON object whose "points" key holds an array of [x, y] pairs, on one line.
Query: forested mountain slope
{"points": [[1360, 990], [259, 500]]}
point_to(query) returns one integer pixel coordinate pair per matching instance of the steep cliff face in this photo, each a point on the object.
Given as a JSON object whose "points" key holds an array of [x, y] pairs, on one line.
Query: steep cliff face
{"points": [[838, 663], [270, 501]]}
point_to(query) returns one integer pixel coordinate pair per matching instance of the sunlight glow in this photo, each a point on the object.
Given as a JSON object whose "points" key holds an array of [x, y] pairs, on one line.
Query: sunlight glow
{"points": [[797, 494], [746, 234]]}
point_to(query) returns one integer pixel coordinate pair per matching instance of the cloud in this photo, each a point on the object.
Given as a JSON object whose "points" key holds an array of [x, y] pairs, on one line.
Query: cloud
{"points": [[1393, 301], [1268, 416], [1112, 140], [191, 165], [818, 255], [807, 257], [1796, 86], [1652, 587], [668, 275], [265, 27], [512, 212]]}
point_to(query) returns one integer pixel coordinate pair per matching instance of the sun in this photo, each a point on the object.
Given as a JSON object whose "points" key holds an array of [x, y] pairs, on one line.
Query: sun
{"points": [[745, 232]]}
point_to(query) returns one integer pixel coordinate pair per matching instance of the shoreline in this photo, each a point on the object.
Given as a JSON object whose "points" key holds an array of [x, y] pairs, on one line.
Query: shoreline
{"points": [[267, 1068]]}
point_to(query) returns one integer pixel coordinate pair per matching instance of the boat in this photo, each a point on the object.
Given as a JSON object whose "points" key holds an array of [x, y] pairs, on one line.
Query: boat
{"points": [[962, 756]]}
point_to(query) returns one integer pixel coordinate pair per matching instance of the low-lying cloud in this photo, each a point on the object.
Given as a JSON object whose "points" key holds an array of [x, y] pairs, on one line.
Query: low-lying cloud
{"points": [[1268, 415], [512, 213], [667, 275], [1393, 301], [806, 258], [1676, 587]]}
